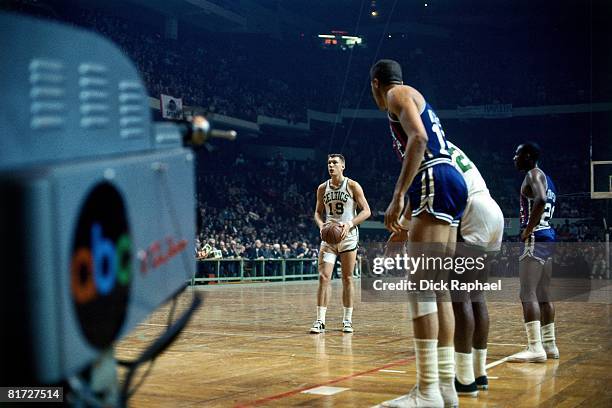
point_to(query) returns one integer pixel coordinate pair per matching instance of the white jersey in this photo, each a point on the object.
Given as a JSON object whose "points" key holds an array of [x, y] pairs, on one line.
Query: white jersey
{"points": [[482, 223], [473, 179], [339, 202]]}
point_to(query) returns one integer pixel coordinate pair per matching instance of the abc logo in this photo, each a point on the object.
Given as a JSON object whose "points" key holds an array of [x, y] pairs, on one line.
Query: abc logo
{"points": [[101, 265], [105, 265]]}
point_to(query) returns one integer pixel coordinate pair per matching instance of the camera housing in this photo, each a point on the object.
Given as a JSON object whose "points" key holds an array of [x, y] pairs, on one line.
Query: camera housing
{"points": [[98, 202]]}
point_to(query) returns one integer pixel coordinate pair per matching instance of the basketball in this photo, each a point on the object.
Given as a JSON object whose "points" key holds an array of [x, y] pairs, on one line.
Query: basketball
{"points": [[332, 233]]}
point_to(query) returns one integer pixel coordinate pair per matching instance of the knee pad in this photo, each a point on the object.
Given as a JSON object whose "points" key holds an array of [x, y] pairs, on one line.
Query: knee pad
{"points": [[418, 307], [329, 257]]}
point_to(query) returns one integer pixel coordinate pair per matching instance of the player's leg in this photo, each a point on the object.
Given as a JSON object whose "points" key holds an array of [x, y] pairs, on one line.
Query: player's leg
{"points": [[472, 231], [465, 383], [424, 314], [425, 228], [547, 311], [445, 307], [530, 274], [348, 260], [327, 260], [425, 327], [480, 340], [446, 329], [436, 202], [492, 228], [464, 330], [480, 312]]}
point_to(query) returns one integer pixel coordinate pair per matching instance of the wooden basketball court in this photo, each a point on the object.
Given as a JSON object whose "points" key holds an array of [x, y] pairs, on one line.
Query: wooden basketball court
{"points": [[249, 346]]}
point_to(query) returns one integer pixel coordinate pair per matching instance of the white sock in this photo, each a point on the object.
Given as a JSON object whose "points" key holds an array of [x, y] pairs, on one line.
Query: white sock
{"points": [[427, 366], [533, 335], [348, 314], [321, 313], [548, 334], [465, 368], [480, 362], [446, 365]]}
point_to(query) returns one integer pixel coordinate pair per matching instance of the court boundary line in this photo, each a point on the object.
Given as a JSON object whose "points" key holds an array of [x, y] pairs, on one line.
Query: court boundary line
{"points": [[334, 381], [500, 361], [506, 344], [346, 377], [497, 362]]}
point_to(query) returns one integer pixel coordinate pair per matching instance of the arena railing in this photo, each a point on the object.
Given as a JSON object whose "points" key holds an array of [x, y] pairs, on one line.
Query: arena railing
{"points": [[219, 270]]}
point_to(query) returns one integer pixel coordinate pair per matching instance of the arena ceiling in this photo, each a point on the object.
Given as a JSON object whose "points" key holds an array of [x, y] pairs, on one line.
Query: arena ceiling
{"points": [[444, 19], [436, 17]]}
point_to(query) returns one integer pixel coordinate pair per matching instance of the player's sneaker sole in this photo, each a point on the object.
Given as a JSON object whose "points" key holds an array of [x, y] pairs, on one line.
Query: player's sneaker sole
{"points": [[347, 327], [552, 353], [469, 390], [316, 331], [414, 400], [527, 357], [317, 328], [482, 383]]}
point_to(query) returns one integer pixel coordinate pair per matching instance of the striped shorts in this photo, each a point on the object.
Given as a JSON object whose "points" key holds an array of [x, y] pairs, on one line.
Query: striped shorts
{"points": [[439, 190]]}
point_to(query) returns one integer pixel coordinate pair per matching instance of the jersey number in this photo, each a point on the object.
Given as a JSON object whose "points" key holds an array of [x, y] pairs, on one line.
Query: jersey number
{"points": [[462, 161], [437, 129], [549, 209], [339, 209]]}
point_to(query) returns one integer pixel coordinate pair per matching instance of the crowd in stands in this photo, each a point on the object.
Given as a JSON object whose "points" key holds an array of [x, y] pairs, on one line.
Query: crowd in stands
{"points": [[264, 214], [246, 75]]}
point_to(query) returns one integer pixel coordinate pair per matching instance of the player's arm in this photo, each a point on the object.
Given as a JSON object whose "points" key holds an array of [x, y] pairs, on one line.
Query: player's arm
{"points": [[537, 182], [320, 207], [402, 105], [362, 204], [404, 222]]}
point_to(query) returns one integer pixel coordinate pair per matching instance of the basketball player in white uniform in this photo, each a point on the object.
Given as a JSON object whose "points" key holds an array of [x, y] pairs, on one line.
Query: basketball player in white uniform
{"points": [[337, 201], [482, 227]]}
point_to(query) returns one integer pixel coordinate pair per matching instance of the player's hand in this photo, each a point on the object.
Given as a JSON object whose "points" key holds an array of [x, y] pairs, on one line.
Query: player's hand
{"points": [[525, 235], [401, 236], [393, 213], [325, 224], [346, 227], [396, 243]]}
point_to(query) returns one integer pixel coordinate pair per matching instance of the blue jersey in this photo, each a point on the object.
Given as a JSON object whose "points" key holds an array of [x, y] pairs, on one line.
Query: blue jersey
{"points": [[436, 151], [543, 228]]}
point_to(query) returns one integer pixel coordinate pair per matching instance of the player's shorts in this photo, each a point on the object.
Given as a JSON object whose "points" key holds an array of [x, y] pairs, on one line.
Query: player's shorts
{"points": [[540, 245], [439, 190], [349, 243], [482, 223]]}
